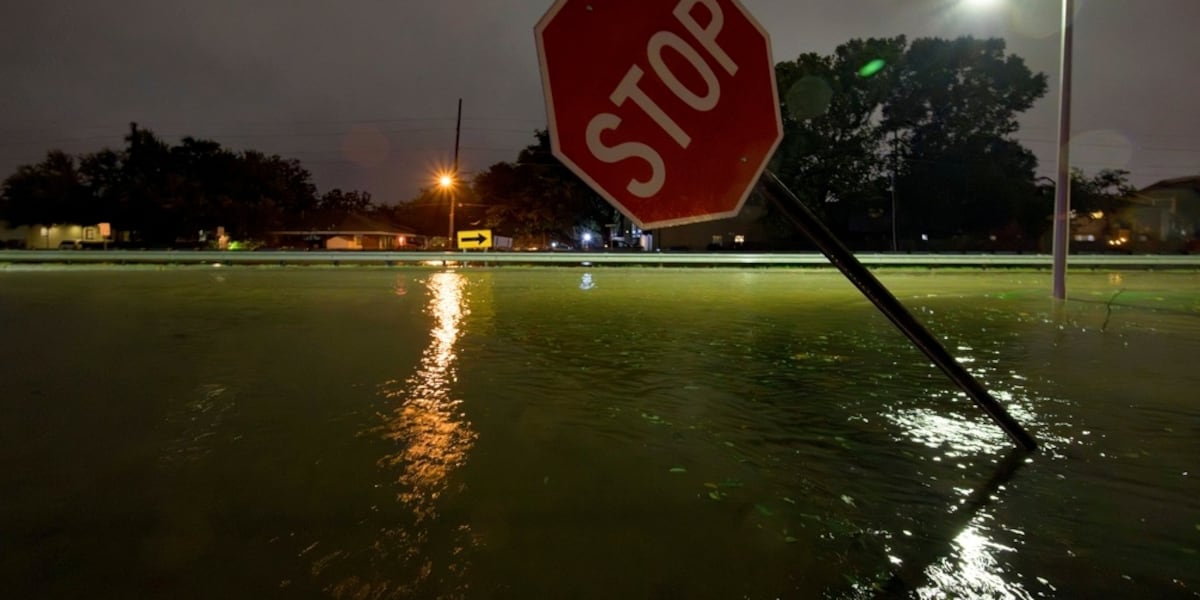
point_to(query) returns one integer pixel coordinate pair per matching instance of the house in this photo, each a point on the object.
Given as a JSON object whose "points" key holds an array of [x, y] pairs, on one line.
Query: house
{"points": [[56, 235], [747, 230], [1161, 217], [13, 237], [1168, 211], [347, 232]]}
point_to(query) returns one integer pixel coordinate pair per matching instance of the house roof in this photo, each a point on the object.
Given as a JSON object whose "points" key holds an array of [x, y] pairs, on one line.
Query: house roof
{"points": [[349, 224], [1191, 182]]}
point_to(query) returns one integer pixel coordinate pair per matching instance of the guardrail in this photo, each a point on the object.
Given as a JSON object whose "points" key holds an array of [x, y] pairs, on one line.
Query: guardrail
{"points": [[731, 259]]}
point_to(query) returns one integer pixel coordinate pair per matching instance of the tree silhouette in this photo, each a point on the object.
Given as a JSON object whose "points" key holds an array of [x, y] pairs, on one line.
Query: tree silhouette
{"points": [[930, 122], [159, 193], [537, 199]]}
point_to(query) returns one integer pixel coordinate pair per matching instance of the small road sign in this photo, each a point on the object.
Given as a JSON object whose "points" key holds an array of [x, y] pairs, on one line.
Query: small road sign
{"points": [[476, 238]]}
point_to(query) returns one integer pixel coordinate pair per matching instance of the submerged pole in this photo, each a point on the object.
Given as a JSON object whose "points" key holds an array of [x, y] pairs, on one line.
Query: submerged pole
{"points": [[1062, 185], [861, 277]]}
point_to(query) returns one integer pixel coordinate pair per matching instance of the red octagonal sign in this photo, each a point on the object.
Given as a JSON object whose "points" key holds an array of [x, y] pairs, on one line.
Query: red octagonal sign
{"points": [[667, 108]]}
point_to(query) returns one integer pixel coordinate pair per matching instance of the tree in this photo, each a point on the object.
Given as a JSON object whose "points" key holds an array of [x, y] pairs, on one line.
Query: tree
{"points": [[265, 189], [102, 175], [930, 122], [831, 152], [537, 199], [1104, 197], [336, 200], [954, 108], [49, 192], [1107, 191], [429, 210], [145, 206], [160, 193]]}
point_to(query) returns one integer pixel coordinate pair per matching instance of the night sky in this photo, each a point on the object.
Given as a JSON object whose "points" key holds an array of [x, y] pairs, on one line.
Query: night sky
{"points": [[365, 92]]}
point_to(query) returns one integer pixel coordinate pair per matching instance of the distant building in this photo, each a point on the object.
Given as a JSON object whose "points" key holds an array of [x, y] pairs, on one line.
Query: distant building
{"points": [[347, 232], [1168, 211], [57, 235], [747, 230], [13, 237]]}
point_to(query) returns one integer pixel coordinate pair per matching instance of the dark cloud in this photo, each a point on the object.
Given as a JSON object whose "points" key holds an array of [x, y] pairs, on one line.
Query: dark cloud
{"points": [[365, 91]]}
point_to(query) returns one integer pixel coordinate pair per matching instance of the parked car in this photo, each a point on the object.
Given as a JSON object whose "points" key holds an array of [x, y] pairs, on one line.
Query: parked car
{"points": [[70, 245]]}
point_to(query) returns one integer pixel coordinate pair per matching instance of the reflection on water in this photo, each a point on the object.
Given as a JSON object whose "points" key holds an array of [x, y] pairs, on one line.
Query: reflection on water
{"points": [[432, 438], [961, 554], [965, 554], [955, 434], [685, 434], [432, 435], [197, 422], [975, 570], [960, 558]]}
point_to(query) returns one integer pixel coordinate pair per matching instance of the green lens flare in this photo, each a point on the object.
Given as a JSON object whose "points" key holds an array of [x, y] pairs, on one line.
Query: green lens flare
{"points": [[872, 68]]}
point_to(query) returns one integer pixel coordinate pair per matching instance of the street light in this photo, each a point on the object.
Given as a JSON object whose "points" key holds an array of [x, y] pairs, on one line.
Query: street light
{"points": [[448, 179], [1062, 188], [1062, 185], [446, 182]]}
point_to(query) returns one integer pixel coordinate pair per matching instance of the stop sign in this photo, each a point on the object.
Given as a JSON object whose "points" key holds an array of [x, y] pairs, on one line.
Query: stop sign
{"points": [[667, 108]]}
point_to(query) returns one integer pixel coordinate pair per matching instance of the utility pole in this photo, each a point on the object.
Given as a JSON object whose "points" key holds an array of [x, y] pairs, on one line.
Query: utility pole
{"points": [[1062, 188], [450, 240], [895, 147]]}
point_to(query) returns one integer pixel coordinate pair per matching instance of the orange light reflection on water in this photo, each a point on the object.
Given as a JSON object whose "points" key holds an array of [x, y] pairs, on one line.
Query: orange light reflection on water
{"points": [[415, 554], [433, 437]]}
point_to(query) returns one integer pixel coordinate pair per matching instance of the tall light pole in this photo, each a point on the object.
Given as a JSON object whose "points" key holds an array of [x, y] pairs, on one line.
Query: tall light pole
{"points": [[449, 181], [1062, 184], [895, 148], [1062, 187], [446, 181]]}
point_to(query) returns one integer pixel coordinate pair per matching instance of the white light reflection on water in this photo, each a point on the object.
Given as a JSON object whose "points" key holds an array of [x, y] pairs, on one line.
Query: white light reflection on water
{"points": [[416, 553], [975, 570], [957, 434], [972, 563], [943, 423], [971, 568]]}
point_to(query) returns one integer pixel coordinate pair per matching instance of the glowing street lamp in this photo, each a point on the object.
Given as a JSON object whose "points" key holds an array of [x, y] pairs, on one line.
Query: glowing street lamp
{"points": [[446, 182]]}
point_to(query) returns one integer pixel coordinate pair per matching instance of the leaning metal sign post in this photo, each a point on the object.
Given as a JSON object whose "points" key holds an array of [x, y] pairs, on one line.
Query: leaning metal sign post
{"points": [[669, 110]]}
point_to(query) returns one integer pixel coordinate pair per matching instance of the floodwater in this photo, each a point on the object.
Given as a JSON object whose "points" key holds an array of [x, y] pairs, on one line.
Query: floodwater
{"points": [[604, 433]]}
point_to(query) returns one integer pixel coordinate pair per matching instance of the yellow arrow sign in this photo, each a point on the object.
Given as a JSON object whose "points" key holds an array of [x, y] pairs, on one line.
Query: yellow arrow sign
{"points": [[477, 238]]}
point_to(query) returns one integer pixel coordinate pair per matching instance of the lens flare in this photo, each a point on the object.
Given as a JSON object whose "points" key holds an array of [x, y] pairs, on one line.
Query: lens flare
{"points": [[872, 67]]}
